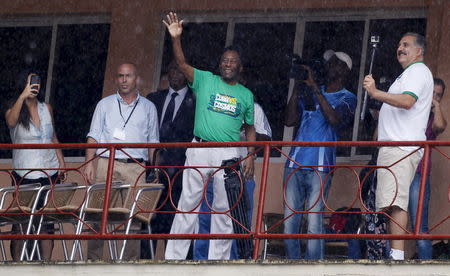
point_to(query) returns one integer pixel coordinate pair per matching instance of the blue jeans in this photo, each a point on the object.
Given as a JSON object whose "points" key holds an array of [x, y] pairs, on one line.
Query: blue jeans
{"points": [[303, 188], [201, 247], [424, 247]]}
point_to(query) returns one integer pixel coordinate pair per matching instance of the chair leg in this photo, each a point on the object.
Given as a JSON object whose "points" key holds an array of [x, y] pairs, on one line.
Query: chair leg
{"points": [[25, 242], [64, 245], [115, 244], [2, 248], [35, 243], [152, 250], [36, 250], [24, 252], [127, 231], [80, 249], [77, 244], [111, 244], [122, 251], [266, 242], [111, 251]]}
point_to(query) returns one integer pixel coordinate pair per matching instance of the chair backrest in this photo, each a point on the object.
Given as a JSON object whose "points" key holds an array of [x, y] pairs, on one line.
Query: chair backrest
{"points": [[143, 198], [60, 195], [96, 195], [22, 196]]}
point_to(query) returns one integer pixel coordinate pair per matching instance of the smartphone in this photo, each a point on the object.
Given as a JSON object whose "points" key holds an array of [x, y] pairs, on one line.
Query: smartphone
{"points": [[34, 81]]}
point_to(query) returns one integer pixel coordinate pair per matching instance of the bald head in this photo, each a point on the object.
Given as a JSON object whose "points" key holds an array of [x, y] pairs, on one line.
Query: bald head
{"points": [[126, 78]]}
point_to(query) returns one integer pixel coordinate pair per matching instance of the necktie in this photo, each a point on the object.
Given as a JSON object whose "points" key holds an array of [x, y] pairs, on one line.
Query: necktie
{"points": [[168, 116]]}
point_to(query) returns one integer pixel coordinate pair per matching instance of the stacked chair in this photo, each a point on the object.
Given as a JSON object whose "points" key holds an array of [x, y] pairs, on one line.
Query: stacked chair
{"points": [[128, 204], [17, 204]]}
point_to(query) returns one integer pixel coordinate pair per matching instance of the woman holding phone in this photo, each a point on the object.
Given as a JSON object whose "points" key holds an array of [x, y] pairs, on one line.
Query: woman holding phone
{"points": [[30, 121]]}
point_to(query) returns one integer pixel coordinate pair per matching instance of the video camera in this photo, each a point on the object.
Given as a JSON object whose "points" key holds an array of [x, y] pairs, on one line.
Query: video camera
{"points": [[299, 72]]}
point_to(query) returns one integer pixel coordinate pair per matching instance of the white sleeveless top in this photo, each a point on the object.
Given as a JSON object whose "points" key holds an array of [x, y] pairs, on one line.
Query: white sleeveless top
{"points": [[35, 158]]}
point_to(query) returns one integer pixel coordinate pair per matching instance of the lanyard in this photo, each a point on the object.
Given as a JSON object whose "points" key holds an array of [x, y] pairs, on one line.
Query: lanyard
{"points": [[129, 116]]}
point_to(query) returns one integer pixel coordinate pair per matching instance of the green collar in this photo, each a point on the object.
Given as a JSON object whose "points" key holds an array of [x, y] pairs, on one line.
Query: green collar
{"points": [[413, 63]]}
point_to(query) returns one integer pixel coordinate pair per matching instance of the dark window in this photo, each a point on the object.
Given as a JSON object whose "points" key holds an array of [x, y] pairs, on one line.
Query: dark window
{"points": [[78, 74], [202, 44], [21, 49], [266, 51], [77, 79]]}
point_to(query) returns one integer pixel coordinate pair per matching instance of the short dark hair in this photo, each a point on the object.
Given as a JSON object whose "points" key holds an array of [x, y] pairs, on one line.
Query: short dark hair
{"points": [[419, 42], [172, 65], [440, 82], [234, 48]]}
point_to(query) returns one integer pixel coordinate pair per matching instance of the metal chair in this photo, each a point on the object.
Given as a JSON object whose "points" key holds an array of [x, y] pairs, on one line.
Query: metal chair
{"points": [[93, 204], [273, 247], [58, 209], [138, 206], [19, 202]]}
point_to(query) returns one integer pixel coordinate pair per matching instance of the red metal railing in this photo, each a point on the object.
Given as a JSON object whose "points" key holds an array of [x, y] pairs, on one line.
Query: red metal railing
{"points": [[258, 234]]}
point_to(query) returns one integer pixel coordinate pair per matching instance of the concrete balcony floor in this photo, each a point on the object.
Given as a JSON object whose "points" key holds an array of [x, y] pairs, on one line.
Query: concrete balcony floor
{"points": [[231, 268]]}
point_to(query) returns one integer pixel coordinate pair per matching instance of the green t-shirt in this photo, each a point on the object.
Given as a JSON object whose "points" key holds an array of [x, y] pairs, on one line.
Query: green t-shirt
{"points": [[220, 108]]}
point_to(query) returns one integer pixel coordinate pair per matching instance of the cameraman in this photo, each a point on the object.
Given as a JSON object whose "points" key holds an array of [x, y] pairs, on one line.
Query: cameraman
{"points": [[319, 111]]}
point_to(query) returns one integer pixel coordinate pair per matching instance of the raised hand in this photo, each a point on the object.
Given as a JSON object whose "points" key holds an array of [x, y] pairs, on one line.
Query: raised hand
{"points": [[174, 26], [30, 91]]}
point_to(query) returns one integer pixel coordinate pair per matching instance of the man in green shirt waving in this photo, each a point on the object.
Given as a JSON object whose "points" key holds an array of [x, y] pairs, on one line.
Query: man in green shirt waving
{"points": [[222, 107]]}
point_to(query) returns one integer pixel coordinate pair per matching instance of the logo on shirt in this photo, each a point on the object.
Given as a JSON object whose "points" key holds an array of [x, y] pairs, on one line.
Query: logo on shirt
{"points": [[224, 104]]}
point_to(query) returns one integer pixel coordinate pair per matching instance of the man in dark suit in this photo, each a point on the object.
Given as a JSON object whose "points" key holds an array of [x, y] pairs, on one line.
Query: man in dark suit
{"points": [[175, 107]]}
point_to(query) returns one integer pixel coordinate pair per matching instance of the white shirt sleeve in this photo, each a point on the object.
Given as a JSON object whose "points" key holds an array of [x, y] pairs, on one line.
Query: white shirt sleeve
{"points": [[262, 125], [153, 126], [97, 123], [414, 82]]}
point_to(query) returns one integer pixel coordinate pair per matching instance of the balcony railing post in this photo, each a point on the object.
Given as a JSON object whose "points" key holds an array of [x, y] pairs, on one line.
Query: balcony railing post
{"points": [[109, 176], [262, 197], [423, 181], [259, 234]]}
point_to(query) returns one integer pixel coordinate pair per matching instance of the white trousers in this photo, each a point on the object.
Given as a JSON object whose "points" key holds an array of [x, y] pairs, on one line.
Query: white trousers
{"points": [[194, 182]]}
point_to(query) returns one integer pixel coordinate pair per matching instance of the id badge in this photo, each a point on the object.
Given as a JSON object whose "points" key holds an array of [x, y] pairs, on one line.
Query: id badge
{"points": [[119, 133]]}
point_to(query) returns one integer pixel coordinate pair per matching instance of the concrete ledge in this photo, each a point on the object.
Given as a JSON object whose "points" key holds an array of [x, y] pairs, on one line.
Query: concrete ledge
{"points": [[230, 268]]}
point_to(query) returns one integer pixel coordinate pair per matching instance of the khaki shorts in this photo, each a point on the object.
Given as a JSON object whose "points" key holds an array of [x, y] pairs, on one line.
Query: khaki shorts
{"points": [[394, 191]]}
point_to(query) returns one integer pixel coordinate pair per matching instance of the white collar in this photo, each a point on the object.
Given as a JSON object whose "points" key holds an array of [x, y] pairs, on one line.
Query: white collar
{"points": [[124, 102], [182, 92]]}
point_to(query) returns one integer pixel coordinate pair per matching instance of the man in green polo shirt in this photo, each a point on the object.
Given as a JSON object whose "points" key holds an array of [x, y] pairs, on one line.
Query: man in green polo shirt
{"points": [[223, 106]]}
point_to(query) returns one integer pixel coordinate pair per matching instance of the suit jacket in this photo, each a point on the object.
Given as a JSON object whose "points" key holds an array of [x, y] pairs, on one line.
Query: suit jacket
{"points": [[181, 130]]}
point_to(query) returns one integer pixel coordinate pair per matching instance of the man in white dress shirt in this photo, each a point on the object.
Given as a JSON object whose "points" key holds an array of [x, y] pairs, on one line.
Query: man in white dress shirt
{"points": [[123, 117]]}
